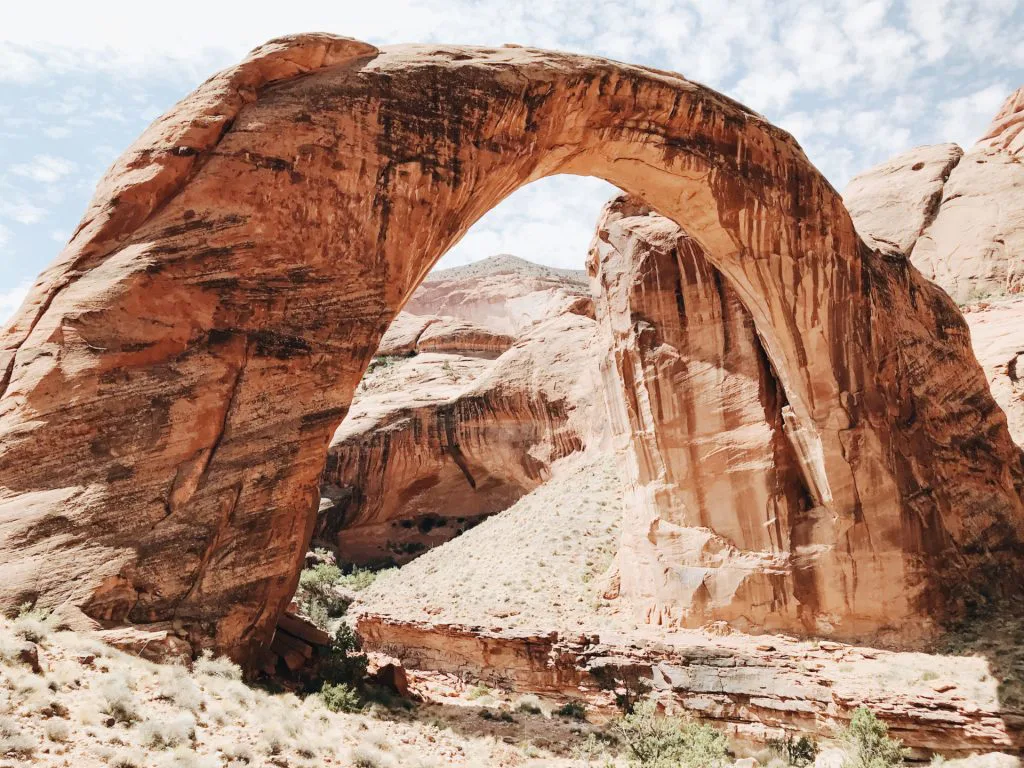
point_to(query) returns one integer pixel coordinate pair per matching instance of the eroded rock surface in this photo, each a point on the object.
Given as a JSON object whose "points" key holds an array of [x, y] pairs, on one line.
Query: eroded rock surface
{"points": [[199, 340], [717, 494], [997, 335], [504, 293], [728, 513], [755, 691]]}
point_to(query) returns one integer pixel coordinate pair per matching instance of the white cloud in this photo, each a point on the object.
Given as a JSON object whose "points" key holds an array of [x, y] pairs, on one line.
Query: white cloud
{"points": [[57, 131], [964, 118], [854, 80], [11, 300], [5, 235], [23, 212], [45, 169], [551, 220]]}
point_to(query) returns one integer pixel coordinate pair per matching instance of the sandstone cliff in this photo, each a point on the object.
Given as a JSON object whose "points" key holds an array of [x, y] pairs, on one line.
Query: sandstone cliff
{"points": [[958, 215], [730, 511]]}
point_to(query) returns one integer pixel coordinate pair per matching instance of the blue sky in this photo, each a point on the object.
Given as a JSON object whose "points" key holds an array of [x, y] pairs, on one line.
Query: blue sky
{"points": [[854, 81]]}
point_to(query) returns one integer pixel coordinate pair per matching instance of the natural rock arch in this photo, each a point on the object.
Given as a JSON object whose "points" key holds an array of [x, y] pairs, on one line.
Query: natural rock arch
{"points": [[171, 383]]}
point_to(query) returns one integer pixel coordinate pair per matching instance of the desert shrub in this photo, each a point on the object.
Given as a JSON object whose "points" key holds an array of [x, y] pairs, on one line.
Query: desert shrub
{"points": [[318, 594], [497, 716], [359, 579], [168, 732], [592, 748], [216, 666], [13, 740], [128, 758], [626, 682], [529, 704], [343, 663], [868, 744], [32, 624], [365, 756], [653, 741], [57, 730], [340, 697], [797, 752], [574, 709], [477, 692], [178, 687], [118, 700]]}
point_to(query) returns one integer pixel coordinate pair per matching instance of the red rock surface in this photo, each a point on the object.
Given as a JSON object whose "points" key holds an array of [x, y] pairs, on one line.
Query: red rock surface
{"points": [[200, 338], [755, 691]]}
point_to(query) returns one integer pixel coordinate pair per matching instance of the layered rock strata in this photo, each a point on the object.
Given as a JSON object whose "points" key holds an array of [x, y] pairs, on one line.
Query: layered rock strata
{"points": [[755, 691], [449, 440], [199, 339]]}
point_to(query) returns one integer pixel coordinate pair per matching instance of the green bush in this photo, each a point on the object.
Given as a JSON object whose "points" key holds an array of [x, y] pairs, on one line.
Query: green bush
{"points": [[574, 709], [317, 590], [343, 662], [797, 752], [868, 743], [653, 741], [359, 579], [340, 697]]}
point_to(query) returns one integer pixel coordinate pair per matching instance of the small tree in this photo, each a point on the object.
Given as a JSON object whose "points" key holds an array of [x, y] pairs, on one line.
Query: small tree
{"points": [[868, 743], [344, 663], [669, 742], [625, 681]]}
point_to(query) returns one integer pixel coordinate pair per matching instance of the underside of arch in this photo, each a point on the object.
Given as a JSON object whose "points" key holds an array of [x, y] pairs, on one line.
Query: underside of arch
{"points": [[171, 384]]}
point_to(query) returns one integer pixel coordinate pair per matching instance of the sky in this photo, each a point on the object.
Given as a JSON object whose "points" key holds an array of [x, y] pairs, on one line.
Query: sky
{"points": [[855, 81]]}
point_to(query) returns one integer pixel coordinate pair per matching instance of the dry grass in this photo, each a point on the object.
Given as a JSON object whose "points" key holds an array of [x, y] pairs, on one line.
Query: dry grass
{"points": [[93, 705]]}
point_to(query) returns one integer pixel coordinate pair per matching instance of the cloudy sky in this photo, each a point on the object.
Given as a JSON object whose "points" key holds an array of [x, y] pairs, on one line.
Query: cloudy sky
{"points": [[855, 81]]}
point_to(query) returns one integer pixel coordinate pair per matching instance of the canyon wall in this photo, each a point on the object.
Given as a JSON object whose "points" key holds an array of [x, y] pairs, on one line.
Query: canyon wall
{"points": [[198, 342], [718, 497]]}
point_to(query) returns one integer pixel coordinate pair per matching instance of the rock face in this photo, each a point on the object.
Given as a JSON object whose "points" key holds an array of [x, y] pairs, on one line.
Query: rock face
{"points": [[718, 499], [198, 342], [958, 216], [997, 335], [504, 293], [729, 514], [753, 691], [434, 443]]}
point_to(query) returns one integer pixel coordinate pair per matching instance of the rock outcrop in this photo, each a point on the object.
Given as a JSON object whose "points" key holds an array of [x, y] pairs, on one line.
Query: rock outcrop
{"points": [[199, 340], [731, 513], [718, 500], [958, 216], [504, 293], [753, 690], [997, 335]]}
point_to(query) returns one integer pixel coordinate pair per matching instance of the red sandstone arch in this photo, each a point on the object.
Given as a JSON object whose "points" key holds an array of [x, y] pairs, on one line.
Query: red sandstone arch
{"points": [[170, 385]]}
